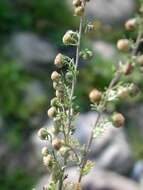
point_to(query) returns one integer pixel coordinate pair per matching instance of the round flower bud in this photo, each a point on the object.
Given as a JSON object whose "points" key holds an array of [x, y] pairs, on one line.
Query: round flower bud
{"points": [[56, 144], [140, 60], [43, 134], [128, 68], [76, 3], [44, 151], [70, 37], [79, 11], [59, 60], [54, 101], [118, 120], [130, 24], [48, 160], [123, 45], [95, 96], [123, 92], [51, 112], [69, 76], [55, 76]]}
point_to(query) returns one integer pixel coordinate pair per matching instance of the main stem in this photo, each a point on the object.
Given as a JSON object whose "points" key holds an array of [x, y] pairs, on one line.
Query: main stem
{"points": [[60, 185]]}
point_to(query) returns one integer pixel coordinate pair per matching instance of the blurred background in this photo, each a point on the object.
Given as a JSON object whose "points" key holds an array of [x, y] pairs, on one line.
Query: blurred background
{"points": [[30, 37]]}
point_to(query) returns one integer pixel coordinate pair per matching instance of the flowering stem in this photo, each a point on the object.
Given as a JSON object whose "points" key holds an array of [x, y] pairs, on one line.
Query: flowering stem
{"points": [[115, 79]]}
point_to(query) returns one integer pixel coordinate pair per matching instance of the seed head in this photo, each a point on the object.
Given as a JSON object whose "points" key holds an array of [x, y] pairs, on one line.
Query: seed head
{"points": [[70, 37], [77, 3], [123, 92], [123, 45], [55, 76], [51, 112], [130, 24], [140, 60], [79, 11], [56, 144], [128, 68], [42, 134], [48, 160], [59, 60], [118, 120], [95, 96]]}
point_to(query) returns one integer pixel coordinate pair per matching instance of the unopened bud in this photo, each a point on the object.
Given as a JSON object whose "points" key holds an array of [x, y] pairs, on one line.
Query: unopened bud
{"points": [[56, 144], [55, 76], [130, 24], [43, 134], [123, 45], [118, 120], [48, 160], [51, 112], [59, 60], [79, 11], [77, 3], [95, 96]]}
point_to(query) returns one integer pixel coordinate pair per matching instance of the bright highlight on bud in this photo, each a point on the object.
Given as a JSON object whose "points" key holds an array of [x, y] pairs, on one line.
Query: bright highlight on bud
{"points": [[123, 45], [95, 96]]}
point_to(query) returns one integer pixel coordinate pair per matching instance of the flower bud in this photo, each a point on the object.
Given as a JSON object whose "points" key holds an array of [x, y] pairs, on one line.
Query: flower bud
{"points": [[43, 134], [77, 3], [123, 45], [56, 144], [48, 160], [70, 37], [130, 24], [140, 60], [123, 92], [69, 76], [86, 54], [79, 11], [54, 102], [44, 151], [51, 112], [128, 68], [59, 60], [95, 96], [133, 89], [118, 120], [55, 76]]}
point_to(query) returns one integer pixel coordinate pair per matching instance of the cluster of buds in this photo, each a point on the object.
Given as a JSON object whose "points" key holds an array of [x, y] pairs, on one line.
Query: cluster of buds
{"points": [[61, 144], [70, 38]]}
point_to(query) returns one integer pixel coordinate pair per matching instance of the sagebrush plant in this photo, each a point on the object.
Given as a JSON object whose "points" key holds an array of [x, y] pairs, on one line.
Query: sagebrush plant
{"points": [[63, 149]]}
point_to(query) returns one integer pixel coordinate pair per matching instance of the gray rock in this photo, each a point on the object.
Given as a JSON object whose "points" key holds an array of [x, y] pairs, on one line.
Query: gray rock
{"points": [[105, 50], [135, 114], [28, 48], [110, 11], [110, 151], [138, 170], [96, 180]]}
